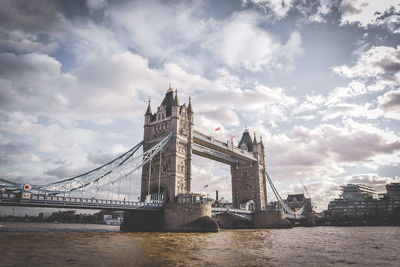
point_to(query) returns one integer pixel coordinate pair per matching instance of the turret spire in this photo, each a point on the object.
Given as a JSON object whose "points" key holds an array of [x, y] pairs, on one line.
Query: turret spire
{"points": [[255, 139], [148, 111], [176, 101], [190, 106]]}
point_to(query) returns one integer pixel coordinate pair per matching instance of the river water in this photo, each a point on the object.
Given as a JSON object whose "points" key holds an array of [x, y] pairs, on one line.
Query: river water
{"points": [[29, 244]]}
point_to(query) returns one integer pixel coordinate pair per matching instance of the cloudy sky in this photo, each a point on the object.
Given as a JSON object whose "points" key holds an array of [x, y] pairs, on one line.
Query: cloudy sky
{"points": [[318, 80]]}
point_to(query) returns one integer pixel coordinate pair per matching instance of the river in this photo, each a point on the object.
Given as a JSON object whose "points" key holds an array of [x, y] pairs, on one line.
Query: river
{"points": [[30, 244]]}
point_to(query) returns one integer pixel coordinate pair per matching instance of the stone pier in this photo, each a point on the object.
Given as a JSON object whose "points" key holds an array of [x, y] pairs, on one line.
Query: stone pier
{"points": [[189, 218], [270, 219], [172, 218]]}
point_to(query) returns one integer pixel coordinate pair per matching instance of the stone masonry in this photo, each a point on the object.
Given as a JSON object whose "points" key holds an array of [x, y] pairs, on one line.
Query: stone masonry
{"points": [[248, 178], [176, 158]]}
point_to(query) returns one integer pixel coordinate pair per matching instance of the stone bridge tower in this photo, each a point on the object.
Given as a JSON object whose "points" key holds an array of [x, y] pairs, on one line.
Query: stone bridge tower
{"points": [[248, 178], [176, 157]]}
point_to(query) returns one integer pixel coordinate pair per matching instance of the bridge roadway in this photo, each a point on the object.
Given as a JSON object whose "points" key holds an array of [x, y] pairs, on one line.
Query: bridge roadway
{"points": [[208, 146], [47, 201]]}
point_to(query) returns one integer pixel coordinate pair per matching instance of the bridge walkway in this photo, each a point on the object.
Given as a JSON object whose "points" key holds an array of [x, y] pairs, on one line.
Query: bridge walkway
{"points": [[47, 201], [205, 145]]}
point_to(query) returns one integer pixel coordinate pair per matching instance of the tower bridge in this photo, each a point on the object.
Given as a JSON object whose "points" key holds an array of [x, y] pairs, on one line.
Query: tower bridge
{"points": [[168, 144]]}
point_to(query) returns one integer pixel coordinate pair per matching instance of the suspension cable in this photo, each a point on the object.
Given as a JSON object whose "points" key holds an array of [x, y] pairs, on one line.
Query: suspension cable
{"points": [[148, 190], [285, 207], [119, 186], [112, 191], [108, 190], [129, 194], [159, 177]]}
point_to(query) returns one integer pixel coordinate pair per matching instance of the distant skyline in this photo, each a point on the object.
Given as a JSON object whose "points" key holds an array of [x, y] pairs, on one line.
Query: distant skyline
{"points": [[318, 81]]}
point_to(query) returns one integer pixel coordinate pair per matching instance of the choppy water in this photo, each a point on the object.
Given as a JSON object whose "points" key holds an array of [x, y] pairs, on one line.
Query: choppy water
{"points": [[89, 245]]}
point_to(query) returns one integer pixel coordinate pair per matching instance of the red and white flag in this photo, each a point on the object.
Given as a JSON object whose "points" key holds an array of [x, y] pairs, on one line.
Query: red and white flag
{"points": [[218, 129]]}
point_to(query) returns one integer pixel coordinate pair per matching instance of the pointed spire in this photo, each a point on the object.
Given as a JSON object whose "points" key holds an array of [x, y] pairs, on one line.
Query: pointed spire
{"points": [[190, 106], [176, 101], [148, 111], [170, 89], [255, 139]]}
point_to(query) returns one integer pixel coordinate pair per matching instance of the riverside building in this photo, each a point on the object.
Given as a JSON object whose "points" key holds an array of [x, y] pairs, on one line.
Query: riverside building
{"points": [[361, 201]]}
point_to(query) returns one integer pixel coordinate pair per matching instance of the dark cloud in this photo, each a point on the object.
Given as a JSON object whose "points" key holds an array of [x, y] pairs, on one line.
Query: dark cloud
{"points": [[65, 170], [390, 100], [31, 16], [388, 66], [347, 7], [358, 146], [11, 152], [390, 63]]}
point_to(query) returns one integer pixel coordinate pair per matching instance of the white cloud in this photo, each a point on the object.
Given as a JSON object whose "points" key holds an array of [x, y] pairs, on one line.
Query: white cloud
{"points": [[340, 94], [345, 110], [380, 62], [367, 13], [181, 33], [325, 150], [240, 42], [158, 29]]}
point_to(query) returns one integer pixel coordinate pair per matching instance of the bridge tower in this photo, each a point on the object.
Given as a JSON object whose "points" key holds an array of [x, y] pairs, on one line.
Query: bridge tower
{"points": [[248, 178], [175, 176]]}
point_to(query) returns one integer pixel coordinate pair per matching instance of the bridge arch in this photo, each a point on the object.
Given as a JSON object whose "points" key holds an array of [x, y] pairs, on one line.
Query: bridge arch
{"points": [[248, 204]]}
